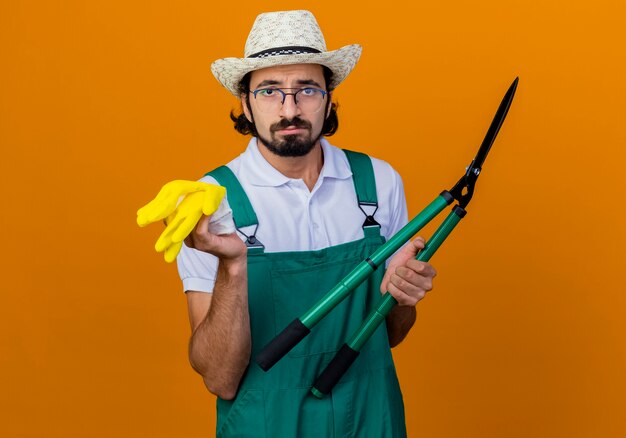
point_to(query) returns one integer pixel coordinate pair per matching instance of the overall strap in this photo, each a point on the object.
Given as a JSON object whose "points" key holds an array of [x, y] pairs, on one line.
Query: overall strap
{"points": [[365, 187], [243, 213]]}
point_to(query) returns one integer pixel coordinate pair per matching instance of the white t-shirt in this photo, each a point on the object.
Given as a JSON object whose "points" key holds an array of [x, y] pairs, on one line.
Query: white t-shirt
{"points": [[292, 218]]}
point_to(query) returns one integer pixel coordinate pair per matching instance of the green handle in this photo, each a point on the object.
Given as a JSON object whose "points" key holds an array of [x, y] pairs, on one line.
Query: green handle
{"points": [[351, 349], [387, 302], [291, 335], [320, 309]]}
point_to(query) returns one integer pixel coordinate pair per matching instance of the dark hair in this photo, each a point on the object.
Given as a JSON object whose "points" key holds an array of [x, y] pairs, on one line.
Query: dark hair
{"points": [[245, 126]]}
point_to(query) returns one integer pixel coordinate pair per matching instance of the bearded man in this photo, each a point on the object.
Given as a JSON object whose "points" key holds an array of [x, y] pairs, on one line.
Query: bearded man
{"points": [[305, 213]]}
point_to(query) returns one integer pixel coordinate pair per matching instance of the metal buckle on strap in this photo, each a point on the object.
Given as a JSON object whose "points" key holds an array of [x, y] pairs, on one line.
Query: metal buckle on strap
{"points": [[251, 240], [369, 218]]}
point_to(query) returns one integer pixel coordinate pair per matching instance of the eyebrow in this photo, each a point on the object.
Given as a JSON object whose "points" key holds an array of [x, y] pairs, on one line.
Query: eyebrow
{"points": [[267, 82], [308, 82]]}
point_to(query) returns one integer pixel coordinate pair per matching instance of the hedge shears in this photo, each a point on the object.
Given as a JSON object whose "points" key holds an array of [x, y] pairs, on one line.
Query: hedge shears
{"points": [[462, 192]]}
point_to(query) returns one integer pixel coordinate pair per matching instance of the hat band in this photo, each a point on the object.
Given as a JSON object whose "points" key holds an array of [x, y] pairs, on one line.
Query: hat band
{"points": [[287, 50]]}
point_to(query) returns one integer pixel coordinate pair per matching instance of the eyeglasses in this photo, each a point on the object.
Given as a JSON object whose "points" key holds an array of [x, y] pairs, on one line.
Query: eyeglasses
{"points": [[270, 100]]}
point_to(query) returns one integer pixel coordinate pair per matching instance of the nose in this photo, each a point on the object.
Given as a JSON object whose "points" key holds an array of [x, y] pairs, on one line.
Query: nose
{"points": [[289, 109]]}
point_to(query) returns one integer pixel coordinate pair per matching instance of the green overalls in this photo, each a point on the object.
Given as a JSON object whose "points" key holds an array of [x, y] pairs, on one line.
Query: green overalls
{"points": [[281, 287]]}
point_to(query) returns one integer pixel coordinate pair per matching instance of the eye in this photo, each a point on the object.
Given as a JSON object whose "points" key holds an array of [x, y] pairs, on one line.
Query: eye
{"points": [[267, 92], [308, 91]]}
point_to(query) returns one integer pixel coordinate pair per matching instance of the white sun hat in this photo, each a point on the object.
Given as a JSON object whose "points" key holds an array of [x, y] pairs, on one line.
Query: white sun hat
{"points": [[282, 38]]}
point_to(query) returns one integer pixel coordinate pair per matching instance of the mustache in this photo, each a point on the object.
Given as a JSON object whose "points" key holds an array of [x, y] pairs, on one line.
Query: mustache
{"points": [[296, 122]]}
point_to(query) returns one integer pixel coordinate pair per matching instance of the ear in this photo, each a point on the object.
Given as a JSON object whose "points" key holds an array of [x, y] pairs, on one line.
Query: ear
{"points": [[244, 106], [330, 105]]}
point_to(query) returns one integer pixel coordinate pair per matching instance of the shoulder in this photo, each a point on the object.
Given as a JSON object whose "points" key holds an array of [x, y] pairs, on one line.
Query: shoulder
{"points": [[389, 186], [390, 190], [387, 178], [385, 174]]}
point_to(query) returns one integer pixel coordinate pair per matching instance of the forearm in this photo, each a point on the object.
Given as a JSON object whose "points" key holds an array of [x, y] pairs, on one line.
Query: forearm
{"points": [[399, 322], [220, 345]]}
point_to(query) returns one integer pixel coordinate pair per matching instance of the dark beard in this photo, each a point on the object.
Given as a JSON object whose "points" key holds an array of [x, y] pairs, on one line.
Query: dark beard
{"points": [[290, 145]]}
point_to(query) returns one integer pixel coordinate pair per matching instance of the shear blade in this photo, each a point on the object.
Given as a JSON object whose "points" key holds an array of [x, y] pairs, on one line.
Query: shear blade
{"points": [[494, 128]]}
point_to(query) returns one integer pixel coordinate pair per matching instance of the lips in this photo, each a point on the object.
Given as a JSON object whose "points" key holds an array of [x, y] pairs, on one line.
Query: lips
{"points": [[291, 130]]}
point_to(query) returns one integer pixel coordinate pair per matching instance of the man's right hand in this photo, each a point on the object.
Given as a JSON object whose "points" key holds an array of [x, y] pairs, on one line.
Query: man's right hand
{"points": [[226, 247], [182, 203]]}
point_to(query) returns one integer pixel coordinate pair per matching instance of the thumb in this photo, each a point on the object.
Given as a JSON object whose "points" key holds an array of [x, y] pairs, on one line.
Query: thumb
{"points": [[406, 253]]}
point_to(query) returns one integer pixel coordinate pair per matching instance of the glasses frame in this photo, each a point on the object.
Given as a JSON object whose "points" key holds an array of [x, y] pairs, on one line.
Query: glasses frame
{"points": [[295, 94]]}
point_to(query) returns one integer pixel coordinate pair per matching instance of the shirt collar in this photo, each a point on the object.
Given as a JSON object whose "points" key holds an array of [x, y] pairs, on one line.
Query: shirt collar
{"points": [[335, 162], [261, 173]]}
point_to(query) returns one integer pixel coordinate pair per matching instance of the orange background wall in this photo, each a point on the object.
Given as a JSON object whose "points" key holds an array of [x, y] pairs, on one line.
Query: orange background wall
{"points": [[102, 102]]}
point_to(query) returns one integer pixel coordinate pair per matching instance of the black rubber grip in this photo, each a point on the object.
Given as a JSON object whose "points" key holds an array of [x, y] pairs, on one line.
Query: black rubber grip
{"points": [[459, 211], [335, 369], [447, 196], [282, 344]]}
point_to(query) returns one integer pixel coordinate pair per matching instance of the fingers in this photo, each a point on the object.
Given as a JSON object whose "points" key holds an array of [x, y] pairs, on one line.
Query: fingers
{"points": [[410, 283], [225, 246], [421, 278], [403, 298], [200, 235], [410, 250], [419, 243], [422, 268], [407, 252]]}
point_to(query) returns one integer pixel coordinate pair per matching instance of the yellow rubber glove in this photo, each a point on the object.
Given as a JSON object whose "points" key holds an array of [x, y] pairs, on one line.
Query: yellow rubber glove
{"points": [[169, 196], [179, 224], [199, 198]]}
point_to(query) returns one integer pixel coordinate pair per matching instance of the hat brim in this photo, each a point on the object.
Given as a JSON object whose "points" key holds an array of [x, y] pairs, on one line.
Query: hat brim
{"points": [[230, 71]]}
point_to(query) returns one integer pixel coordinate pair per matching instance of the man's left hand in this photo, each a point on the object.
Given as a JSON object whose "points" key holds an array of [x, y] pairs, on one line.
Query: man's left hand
{"points": [[408, 280]]}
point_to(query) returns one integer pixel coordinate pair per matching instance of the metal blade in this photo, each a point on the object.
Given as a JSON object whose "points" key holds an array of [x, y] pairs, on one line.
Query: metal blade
{"points": [[496, 123], [463, 190]]}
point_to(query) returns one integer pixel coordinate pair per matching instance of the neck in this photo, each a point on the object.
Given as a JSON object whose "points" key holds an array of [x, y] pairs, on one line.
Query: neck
{"points": [[307, 167]]}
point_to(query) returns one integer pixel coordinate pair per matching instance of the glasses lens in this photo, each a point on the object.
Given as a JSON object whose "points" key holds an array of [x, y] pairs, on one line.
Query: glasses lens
{"points": [[269, 99], [310, 100]]}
